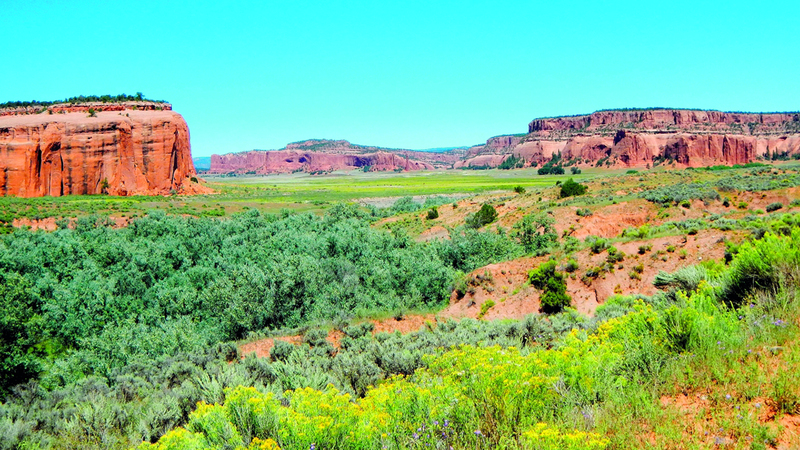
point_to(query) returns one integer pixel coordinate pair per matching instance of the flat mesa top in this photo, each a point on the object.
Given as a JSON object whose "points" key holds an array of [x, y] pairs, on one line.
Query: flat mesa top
{"points": [[83, 117]]}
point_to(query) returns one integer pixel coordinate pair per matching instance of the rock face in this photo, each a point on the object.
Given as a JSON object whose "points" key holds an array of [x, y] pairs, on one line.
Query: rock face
{"points": [[283, 161], [638, 138], [324, 155], [119, 152]]}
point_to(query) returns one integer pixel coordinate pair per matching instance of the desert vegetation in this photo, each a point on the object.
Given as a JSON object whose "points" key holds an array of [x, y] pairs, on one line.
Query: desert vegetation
{"points": [[131, 335], [139, 97]]}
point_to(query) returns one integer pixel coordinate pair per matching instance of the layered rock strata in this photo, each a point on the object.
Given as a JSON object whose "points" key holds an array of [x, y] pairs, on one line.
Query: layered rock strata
{"points": [[326, 155], [283, 161], [639, 138], [120, 152]]}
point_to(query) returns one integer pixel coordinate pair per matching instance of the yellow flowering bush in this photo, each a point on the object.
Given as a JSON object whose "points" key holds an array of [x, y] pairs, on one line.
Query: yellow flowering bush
{"points": [[545, 437]]}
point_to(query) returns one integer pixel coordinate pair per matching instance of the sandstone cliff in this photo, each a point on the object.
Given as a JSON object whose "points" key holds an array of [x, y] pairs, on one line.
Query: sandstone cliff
{"points": [[121, 152], [636, 138], [283, 161]]}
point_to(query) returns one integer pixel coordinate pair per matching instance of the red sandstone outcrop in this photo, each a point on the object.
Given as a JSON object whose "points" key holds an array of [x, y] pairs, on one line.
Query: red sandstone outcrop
{"points": [[637, 138], [283, 161], [135, 152], [326, 155], [664, 119]]}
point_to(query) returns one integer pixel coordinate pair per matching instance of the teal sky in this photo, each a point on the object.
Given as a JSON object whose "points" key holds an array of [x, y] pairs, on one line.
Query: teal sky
{"points": [[410, 74]]}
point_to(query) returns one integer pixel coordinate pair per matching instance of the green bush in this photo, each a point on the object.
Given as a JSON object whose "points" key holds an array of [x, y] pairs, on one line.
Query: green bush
{"points": [[597, 244], [433, 213], [584, 212], [535, 233], [774, 206], [486, 215], [570, 188], [519, 189], [571, 266], [485, 307], [554, 296], [614, 256]]}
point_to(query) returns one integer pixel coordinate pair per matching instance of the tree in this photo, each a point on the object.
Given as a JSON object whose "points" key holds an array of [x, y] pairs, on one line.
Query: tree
{"points": [[554, 296], [570, 188], [486, 215], [535, 232]]}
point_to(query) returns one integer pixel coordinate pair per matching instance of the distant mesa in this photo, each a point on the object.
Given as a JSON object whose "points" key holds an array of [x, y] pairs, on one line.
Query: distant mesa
{"points": [[322, 155], [608, 138], [643, 137], [94, 145]]}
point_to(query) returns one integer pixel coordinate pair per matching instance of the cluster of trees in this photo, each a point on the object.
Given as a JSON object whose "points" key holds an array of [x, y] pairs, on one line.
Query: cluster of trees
{"points": [[512, 162], [552, 167], [139, 97]]}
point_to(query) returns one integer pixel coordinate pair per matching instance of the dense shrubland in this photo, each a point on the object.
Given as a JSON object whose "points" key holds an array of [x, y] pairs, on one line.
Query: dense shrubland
{"points": [[760, 179], [138, 315], [188, 283], [598, 386], [136, 376]]}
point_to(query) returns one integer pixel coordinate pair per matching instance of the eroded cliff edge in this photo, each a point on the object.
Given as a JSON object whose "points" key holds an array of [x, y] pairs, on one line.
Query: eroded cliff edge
{"points": [[119, 151], [638, 138]]}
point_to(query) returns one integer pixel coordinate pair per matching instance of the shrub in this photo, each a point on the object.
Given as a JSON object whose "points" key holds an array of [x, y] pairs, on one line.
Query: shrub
{"points": [[571, 266], [686, 204], [597, 244], [519, 189], [535, 232], [433, 213], [486, 215], [281, 350], [575, 170], [680, 192], [742, 205], [774, 206], [584, 212], [485, 308], [614, 256], [570, 188], [645, 248], [726, 202], [360, 330], [554, 296], [315, 337]]}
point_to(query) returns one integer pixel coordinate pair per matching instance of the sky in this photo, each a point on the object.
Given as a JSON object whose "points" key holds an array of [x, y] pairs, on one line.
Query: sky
{"points": [[399, 74]]}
